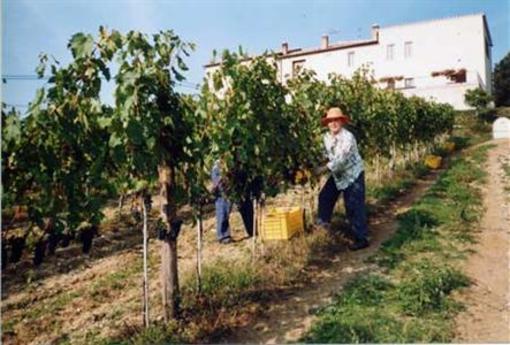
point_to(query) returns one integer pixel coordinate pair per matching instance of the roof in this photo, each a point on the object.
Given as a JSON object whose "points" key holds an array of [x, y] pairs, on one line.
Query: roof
{"points": [[302, 52], [331, 47]]}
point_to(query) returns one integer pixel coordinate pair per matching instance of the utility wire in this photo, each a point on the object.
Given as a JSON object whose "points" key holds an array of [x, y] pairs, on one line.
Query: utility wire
{"points": [[31, 77], [10, 105]]}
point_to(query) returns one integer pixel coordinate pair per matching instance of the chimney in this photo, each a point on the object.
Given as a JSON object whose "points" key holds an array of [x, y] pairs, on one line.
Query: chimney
{"points": [[375, 32], [324, 42], [285, 48]]}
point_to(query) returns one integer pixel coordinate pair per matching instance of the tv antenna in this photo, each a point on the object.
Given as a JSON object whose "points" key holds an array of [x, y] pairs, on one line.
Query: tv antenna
{"points": [[333, 32]]}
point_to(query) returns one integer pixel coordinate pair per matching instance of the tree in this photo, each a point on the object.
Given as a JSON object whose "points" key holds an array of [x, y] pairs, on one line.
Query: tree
{"points": [[251, 128], [502, 82], [56, 161], [66, 158], [478, 98], [149, 130]]}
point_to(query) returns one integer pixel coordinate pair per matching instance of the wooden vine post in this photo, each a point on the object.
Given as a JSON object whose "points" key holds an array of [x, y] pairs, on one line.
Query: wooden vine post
{"points": [[200, 232], [145, 205], [196, 171], [255, 223], [260, 225]]}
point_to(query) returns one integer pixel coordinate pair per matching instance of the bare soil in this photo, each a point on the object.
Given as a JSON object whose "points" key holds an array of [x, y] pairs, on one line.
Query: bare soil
{"points": [[87, 297], [487, 316]]}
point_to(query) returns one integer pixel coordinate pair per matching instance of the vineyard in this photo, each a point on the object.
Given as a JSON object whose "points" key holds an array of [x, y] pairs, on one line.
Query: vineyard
{"points": [[72, 156]]}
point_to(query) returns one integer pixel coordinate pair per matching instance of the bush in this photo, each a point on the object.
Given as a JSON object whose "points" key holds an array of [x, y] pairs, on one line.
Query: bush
{"points": [[478, 99]]}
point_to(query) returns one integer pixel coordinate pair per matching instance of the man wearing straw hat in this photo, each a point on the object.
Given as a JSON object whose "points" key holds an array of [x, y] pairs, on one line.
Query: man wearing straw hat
{"points": [[347, 177]]}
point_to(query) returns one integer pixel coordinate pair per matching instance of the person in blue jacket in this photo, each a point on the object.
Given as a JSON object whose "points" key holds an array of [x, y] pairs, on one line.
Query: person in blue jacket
{"points": [[224, 207]]}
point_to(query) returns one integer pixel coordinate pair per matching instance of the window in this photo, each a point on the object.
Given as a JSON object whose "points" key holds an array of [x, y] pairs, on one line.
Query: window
{"points": [[389, 51], [408, 49], [459, 76], [456, 76], [391, 84], [297, 66], [408, 82], [350, 59]]}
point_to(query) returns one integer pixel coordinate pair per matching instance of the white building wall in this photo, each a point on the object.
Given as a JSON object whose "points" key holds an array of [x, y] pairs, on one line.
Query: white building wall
{"points": [[437, 45], [335, 61], [451, 94]]}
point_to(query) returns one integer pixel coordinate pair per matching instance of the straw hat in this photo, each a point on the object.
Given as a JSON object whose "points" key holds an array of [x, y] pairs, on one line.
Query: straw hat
{"points": [[334, 114]]}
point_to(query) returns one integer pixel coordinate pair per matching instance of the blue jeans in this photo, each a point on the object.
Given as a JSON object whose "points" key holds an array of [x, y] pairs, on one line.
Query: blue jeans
{"points": [[223, 208], [354, 200]]}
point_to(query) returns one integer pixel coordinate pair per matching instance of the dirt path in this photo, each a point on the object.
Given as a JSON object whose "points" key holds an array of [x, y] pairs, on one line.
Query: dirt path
{"points": [[292, 315], [487, 317]]}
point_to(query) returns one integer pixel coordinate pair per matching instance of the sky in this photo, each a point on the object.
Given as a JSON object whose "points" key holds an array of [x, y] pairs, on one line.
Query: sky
{"points": [[30, 27]]}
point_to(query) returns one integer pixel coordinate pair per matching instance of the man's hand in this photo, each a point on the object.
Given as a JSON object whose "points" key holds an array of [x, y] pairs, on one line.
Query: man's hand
{"points": [[320, 170]]}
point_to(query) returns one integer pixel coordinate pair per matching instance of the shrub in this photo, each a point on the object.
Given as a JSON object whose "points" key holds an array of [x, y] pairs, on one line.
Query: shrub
{"points": [[480, 100]]}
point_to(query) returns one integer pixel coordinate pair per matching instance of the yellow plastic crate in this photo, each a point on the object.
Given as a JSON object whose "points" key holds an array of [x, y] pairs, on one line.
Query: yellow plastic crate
{"points": [[449, 146], [281, 223], [433, 162]]}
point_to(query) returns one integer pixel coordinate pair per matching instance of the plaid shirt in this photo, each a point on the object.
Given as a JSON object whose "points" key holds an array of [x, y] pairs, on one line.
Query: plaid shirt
{"points": [[345, 162], [216, 179]]}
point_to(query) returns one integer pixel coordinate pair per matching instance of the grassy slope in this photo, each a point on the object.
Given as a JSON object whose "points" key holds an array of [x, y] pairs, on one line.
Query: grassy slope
{"points": [[409, 299]]}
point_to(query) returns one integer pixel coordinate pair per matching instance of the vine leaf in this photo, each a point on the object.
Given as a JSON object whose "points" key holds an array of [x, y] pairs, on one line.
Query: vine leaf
{"points": [[81, 45]]}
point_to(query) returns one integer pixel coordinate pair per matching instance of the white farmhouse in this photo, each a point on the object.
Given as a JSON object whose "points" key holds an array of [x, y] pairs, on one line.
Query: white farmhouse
{"points": [[436, 59]]}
